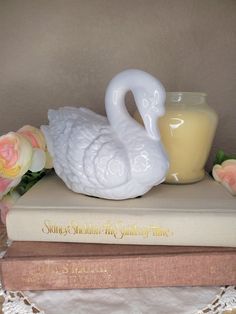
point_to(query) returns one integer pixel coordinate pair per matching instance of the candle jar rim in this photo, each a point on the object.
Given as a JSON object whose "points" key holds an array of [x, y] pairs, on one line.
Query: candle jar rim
{"points": [[188, 97], [187, 93]]}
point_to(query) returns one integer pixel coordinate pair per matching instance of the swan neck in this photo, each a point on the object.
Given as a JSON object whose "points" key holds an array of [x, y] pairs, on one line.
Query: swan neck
{"points": [[148, 93]]}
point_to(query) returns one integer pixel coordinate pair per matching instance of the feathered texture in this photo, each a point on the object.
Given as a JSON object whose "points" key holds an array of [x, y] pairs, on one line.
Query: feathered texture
{"points": [[86, 152], [113, 158]]}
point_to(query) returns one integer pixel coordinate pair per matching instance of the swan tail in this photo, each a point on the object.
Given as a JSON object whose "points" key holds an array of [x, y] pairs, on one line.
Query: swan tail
{"points": [[62, 114]]}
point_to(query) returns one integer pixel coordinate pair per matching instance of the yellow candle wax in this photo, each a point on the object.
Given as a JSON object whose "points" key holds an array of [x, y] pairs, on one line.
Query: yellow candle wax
{"points": [[187, 130]]}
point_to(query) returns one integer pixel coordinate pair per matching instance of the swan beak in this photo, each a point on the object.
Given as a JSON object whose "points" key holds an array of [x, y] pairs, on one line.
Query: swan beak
{"points": [[150, 123]]}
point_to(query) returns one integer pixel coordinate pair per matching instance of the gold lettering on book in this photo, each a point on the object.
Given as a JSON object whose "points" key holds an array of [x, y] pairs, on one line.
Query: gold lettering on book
{"points": [[118, 230], [71, 271]]}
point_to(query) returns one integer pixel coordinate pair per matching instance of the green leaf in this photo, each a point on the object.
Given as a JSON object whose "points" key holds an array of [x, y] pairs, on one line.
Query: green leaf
{"points": [[29, 179], [221, 157]]}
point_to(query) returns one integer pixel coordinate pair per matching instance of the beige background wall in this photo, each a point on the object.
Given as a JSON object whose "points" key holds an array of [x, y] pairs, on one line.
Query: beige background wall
{"points": [[55, 52]]}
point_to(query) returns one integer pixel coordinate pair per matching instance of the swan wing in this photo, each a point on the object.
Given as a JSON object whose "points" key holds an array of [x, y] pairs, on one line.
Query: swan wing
{"points": [[57, 135], [97, 156], [86, 152]]}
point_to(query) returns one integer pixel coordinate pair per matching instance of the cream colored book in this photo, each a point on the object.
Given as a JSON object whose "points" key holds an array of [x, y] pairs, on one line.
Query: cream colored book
{"points": [[201, 214]]}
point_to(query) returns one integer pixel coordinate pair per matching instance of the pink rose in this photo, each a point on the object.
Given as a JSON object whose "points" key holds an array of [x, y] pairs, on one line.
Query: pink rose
{"points": [[38, 142], [226, 175], [34, 136], [6, 185], [15, 155]]}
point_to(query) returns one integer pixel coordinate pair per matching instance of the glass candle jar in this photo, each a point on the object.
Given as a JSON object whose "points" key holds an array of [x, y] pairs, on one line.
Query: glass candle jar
{"points": [[187, 131]]}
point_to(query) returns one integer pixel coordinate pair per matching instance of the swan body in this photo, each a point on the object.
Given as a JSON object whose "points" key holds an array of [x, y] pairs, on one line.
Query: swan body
{"points": [[111, 157]]}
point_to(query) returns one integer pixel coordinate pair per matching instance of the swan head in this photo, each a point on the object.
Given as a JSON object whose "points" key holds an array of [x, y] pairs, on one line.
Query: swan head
{"points": [[149, 95], [150, 100]]}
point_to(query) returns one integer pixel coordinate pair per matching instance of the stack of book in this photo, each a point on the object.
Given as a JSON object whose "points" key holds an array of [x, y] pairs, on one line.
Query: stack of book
{"points": [[175, 235]]}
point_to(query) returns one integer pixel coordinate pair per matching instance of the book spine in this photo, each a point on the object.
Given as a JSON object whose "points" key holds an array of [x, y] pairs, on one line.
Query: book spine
{"points": [[119, 272], [87, 226]]}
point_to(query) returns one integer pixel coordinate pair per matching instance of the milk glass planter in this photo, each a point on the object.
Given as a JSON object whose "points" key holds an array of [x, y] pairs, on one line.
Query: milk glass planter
{"points": [[111, 157], [187, 131]]}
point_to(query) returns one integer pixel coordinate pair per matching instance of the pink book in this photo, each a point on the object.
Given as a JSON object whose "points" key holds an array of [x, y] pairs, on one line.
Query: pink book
{"points": [[52, 265]]}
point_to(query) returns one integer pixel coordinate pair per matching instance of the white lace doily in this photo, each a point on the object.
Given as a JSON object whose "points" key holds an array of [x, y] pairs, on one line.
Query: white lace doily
{"points": [[18, 303], [224, 301]]}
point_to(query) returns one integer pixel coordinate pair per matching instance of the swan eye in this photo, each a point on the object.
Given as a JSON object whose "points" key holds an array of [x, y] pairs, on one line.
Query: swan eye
{"points": [[153, 104], [155, 109], [145, 103]]}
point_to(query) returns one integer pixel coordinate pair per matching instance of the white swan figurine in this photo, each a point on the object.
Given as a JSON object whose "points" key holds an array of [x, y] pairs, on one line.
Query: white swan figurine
{"points": [[114, 157]]}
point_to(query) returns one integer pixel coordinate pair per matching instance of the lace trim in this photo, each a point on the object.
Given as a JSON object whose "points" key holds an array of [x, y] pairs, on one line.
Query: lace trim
{"points": [[224, 301], [17, 303]]}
